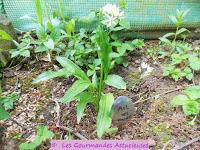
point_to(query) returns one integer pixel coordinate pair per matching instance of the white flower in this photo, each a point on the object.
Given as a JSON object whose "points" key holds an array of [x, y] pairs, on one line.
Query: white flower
{"points": [[145, 69], [112, 10], [112, 15]]}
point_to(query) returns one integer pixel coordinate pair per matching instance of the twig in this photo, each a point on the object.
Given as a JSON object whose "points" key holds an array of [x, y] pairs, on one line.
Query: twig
{"points": [[72, 131], [179, 147], [166, 144], [58, 119]]}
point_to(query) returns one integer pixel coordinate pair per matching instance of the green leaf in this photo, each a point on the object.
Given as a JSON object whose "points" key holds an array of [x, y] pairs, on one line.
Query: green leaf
{"points": [[70, 26], [14, 53], [8, 101], [173, 19], [121, 51], [179, 100], [51, 74], [122, 4], [125, 23], [41, 48], [102, 40], [194, 62], [165, 40], [84, 98], [78, 87], [168, 35], [182, 30], [5, 36], [72, 68], [25, 53], [39, 12], [138, 43], [116, 81], [191, 108], [95, 80], [49, 44], [43, 134], [193, 92], [3, 114], [103, 119]]}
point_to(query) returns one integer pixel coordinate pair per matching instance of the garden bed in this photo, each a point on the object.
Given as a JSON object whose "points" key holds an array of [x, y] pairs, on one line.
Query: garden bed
{"points": [[154, 119]]}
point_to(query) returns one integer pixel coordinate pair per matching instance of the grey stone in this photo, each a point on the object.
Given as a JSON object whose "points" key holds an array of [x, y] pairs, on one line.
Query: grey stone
{"points": [[122, 110]]}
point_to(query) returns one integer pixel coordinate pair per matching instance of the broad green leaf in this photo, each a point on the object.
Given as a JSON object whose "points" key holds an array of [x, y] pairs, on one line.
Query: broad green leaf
{"points": [[125, 23], [191, 108], [49, 44], [117, 28], [121, 51], [116, 81], [193, 92], [41, 48], [84, 98], [194, 62], [43, 134], [25, 53], [128, 46], [8, 101], [95, 80], [72, 68], [39, 12], [173, 19], [179, 100], [103, 119], [165, 40], [51, 74], [14, 53], [61, 9], [102, 40], [138, 43], [70, 26], [182, 30], [168, 35], [5, 36], [114, 54], [116, 43], [3, 113], [78, 87]]}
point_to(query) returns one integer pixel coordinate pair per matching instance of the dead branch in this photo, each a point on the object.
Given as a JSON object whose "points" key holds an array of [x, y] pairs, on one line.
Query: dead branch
{"points": [[181, 146]]}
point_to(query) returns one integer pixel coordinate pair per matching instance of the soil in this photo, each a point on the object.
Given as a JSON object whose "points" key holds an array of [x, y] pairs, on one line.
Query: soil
{"points": [[154, 119]]}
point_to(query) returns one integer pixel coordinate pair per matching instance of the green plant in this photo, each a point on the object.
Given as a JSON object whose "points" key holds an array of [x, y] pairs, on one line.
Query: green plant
{"points": [[189, 101], [90, 91], [184, 60], [122, 49], [82, 49], [43, 134], [7, 103], [23, 48], [181, 32]]}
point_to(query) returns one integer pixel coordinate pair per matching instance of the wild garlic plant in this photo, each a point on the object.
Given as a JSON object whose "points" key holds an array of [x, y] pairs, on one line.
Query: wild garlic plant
{"points": [[86, 90]]}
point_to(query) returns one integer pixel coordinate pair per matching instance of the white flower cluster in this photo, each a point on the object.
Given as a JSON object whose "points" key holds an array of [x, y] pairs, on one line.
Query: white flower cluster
{"points": [[112, 15], [145, 69]]}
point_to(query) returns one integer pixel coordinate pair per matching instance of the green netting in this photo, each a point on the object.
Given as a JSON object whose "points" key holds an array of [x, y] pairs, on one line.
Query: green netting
{"points": [[143, 14]]}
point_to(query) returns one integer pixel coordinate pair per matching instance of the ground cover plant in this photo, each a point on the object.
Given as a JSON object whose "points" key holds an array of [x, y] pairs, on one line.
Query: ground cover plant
{"points": [[64, 81]]}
